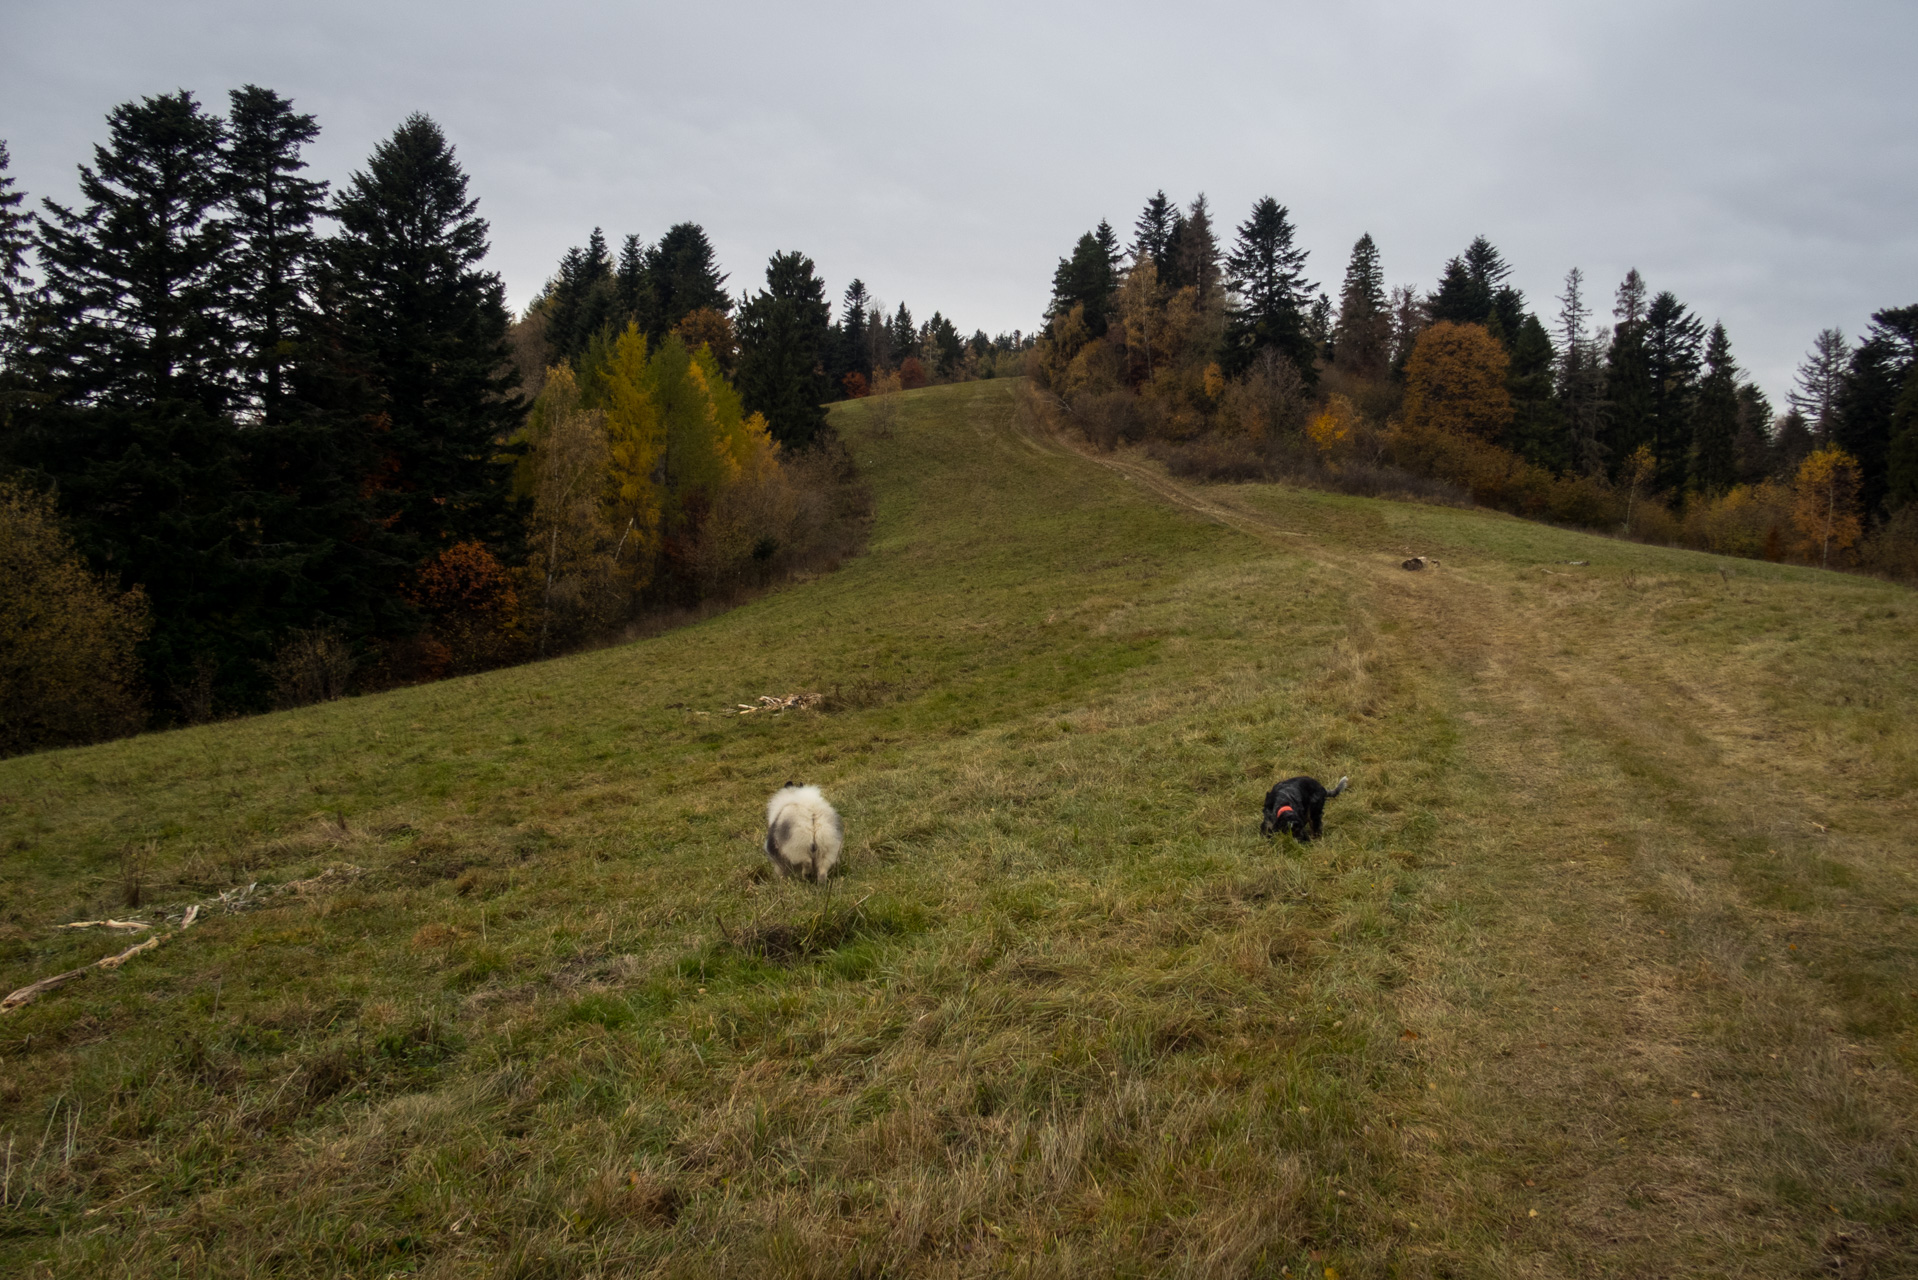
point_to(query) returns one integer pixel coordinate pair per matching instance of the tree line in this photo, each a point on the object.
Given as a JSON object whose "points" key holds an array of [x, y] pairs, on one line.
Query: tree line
{"points": [[282, 459], [1229, 360]]}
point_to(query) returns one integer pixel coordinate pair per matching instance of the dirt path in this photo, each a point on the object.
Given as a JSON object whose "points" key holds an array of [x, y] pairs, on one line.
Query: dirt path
{"points": [[1634, 1069]]}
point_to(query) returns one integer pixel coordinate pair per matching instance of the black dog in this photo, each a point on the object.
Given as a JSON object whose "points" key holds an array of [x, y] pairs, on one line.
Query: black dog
{"points": [[1297, 805]]}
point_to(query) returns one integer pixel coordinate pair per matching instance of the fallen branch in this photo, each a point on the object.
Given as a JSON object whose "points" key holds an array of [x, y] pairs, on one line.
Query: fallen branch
{"points": [[106, 924], [767, 702]]}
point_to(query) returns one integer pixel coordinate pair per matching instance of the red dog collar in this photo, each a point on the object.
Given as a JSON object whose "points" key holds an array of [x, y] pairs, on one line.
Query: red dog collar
{"points": [[1281, 811]]}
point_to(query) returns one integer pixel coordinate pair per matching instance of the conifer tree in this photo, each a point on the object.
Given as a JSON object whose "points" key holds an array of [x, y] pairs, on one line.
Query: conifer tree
{"points": [[1628, 379], [1673, 337], [135, 361], [1409, 318], [1714, 455], [902, 334], [1581, 381], [855, 342], [15, 236], [586, 299], [1537, 431], [1753, 445], [1868, 399], [685, 276], [425, 327], [1362, 339], [1197, 263], [1274, 297], [274, 243], [1472, 290], [782, 350], [633, 286], [1820, 381], [1152, 232], [1108, 240], [1084, 280], [1901, 450]]}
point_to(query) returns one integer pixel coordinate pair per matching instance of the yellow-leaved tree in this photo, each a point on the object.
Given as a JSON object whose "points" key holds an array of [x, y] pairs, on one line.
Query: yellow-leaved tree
{"points": [[1824, 502], [1455, 382]]}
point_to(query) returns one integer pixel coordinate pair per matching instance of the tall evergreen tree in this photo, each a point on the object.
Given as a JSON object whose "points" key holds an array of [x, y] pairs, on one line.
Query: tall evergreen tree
{"points": [[135, 361], [425, 327], [586, 300], [1472, 290], [855, 341], [685, 276], [1868, 399], [1084, 280], [1274, 297], [1753, 445], [1409, 318], [16, 234], [782, 350], [1901, 450], [633, 287], [1714, 455], [1819, 382], [1537, 431], [1109, 245], [1628, 377], [1195, 253], [1673, 338], [902, 334], [1362, 338], [1152, 232], [1581, 381], [274, 243]]}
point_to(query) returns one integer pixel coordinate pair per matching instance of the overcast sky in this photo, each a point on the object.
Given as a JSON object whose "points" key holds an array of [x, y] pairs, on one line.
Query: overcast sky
{"points": [[1758, 159]]}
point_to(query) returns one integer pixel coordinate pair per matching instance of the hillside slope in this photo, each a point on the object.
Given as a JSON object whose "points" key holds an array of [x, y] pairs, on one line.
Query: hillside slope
{"points": [[1604, 965]]}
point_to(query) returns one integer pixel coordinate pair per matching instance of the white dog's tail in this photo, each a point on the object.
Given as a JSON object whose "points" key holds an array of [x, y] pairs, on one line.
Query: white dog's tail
{"points": [[1340, 787], [803, 832]]}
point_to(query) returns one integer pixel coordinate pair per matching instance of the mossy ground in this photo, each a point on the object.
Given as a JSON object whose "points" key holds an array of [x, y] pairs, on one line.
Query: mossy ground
{"points": [[1605, 965]]}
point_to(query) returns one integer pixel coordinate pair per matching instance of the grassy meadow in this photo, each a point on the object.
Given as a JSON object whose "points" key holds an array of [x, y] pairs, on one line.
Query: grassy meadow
{"points": [[1607, 964]]}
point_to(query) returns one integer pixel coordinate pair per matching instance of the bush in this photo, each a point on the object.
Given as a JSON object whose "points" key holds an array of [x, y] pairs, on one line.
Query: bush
{"points": [[69, 671], [312, 666]]}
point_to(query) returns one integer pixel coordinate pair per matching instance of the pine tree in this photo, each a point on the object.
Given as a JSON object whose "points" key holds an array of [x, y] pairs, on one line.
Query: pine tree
{"points": [[1673, 337], [274, 244], [1537, 432], [1753, 446], [1152, 232], [1868, 399], [1274, 297], [1362, 339], [1901, 450], [1472, 290], [1819, 381], [685, 276], [855, 342], [1108, 241], [1409, 318], [1581, 381], [1714, 453], [633, 287], [782, 350], [1628, 379], [426, 328]]}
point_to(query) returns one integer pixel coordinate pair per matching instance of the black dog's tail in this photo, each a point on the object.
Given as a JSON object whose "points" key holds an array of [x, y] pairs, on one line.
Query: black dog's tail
{"points": [[1342, 783]]}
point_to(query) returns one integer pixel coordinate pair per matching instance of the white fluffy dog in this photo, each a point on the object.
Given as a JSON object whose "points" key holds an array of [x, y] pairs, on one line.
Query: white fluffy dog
{"points": [[803, 832]]}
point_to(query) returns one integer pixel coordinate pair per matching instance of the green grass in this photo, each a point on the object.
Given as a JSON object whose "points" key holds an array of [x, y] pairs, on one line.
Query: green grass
{"points": [[1604, 967]]}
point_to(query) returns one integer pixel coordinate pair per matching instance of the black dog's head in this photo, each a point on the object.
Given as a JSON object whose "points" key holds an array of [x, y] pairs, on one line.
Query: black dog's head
{"points": [[1285, 817]]}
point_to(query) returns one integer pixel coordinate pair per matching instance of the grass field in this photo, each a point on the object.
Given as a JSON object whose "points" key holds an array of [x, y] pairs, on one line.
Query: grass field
{"points": [[1607, 965]]}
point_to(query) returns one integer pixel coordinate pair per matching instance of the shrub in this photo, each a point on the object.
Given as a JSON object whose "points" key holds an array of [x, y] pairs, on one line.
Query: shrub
{"points": [[69, 672], [312, 666], [912, 374]]}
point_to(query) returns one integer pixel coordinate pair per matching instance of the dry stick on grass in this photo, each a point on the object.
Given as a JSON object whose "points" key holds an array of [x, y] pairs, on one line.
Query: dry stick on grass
{"points": [[106, 924], [33, 991]]}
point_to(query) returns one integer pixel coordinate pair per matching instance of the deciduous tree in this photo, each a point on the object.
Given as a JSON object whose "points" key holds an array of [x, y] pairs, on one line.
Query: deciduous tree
{"points": [[1455, 382], [1825, 505]]}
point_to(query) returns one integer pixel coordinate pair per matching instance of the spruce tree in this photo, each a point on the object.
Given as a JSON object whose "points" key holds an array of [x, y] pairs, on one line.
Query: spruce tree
{"points": [[425, 328], [1362, 339], [1753, 445], [1472, 290], [633, 287], [1628, 379], [1869, 396], [855, 340], [274, 243], [685, 277], [782, 350], [1819, 382], [135, 365], [1673, 338], [1901, 450], [1537, 431], [1198, 254], [586, 299], [1581, 382], [1152, 232], [15, 235], [903, 335], [1084, 280], [1714, 454], [1274, 297], [1108, 241]]}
